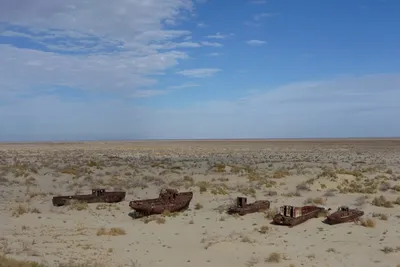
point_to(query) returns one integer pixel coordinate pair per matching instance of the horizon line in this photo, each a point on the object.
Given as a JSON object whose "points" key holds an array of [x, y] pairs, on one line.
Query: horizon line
{"points": [[200, 139]]}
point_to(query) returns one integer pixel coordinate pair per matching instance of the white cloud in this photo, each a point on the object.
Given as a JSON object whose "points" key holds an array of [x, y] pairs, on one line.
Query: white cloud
{"points": [[169, 89], [219, 36], [258, 2], [258, 17], [199, 73], [123, 19], [214, 54], [256, 42], [21, 68], [256, 20], [94, 44], [182, 86], [342, 107], [205, 43]]}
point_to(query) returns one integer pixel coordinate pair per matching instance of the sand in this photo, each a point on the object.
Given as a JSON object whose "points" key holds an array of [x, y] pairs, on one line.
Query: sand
{"points": [[293, 172]]}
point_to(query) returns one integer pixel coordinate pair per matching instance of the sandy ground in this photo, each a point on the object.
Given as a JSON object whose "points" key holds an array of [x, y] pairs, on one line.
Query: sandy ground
{"points": [[328, 172]]}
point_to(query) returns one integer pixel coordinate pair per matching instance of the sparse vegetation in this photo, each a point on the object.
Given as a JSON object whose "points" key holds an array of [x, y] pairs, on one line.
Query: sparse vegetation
{"points": [[380, 216], [382, 202], [115, 231], [198, 206], [263, 229], [218, 175], [368, 222], [317, 201], [274, 257]]}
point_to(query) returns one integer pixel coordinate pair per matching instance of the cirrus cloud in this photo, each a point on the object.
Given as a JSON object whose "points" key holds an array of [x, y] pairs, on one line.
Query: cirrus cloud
{"points": [[121, 46]]}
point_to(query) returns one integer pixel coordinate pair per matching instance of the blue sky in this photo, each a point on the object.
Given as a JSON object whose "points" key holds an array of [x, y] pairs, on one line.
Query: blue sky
{"points": [[123, 69]]}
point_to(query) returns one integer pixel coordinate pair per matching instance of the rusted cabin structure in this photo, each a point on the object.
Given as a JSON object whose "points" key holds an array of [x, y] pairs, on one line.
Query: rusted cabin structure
{"points": [[168, 200], [242, 207], [344, 214], [291, 215]]}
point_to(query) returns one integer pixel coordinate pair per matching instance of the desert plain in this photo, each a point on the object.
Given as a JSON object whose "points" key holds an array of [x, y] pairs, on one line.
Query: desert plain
{"points": [[360, 173]]}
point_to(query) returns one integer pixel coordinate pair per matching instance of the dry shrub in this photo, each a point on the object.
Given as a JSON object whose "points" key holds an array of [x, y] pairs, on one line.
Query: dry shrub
{"points": [[318, 201], [370, 223], [328, 172], [112, 231], [385, 186], [21, 209], [330, 193], [281, 173], [158, 219], [380, 216], [303, 187], [203, 185], [8, 262], [382, 202], [274, 257], [271, 213], [263, 229], [388, 250]]}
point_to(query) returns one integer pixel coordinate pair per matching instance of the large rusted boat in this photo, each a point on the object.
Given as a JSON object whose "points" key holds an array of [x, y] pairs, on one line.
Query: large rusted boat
{"points": [[344, 214], [97, 196], [243, 208], [291, 216], [168, 200]]}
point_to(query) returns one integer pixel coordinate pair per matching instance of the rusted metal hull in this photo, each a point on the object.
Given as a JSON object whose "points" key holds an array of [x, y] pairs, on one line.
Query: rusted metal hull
{"points": [[308, 213], [257, 206], [166, 202], [343, 216], [108, 197]]}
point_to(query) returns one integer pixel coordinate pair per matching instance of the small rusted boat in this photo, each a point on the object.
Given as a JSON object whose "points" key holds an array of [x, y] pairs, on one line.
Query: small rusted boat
{"points": [[292, 216], [168, 200], [344, 214], [243, 208], [97, 196]]}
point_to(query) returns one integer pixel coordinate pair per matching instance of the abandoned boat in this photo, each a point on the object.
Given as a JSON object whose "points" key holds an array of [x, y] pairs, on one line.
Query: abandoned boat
{"points": [[97, 196], [344, 214], [168, 200], [243, 208], [291, 216]]}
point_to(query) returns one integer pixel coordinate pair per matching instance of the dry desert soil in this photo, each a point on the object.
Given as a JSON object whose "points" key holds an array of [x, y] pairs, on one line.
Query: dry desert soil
{"points": [[360, 173]]}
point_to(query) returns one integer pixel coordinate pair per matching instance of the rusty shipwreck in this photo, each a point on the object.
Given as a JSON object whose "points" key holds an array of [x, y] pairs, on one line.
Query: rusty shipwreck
{"points": [[292, 216], [242, 207], [169, 200], [97, 196], [344, 214]]}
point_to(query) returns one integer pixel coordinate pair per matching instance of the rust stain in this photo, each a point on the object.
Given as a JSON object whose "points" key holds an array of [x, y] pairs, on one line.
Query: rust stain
{"points": [[243, 208], [168, 200], [97, 196]]}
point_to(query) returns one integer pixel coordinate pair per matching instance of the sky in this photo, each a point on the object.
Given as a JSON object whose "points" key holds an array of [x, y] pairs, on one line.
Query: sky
{"points": [[183, 69]]}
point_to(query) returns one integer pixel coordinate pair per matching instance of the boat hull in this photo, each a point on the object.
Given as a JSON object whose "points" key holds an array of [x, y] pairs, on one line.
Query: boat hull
{"points": [[107, 197], [146, 207], [257, 206], [313, 212], [343, 217]]}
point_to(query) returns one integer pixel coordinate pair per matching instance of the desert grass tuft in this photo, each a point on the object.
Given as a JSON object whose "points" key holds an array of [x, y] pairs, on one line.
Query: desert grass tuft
{"points": [[111, 232], [370, 223]]}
